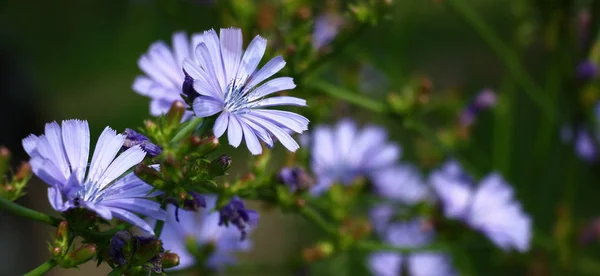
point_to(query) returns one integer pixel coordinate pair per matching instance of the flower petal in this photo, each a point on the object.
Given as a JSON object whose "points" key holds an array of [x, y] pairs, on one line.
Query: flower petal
{"points": [[107, 147], [252, 56], [30, 145], [211, 40], [132, 219], [272, 67], [258, 130], [141, 206], [206, 106], [251, 141], [281, 100], [272, 86], [119, 166], [181, 47], [285, 139], [54, 149], [221, 124], [76, 138], [231, 49], [234, 131], [282, 119]]}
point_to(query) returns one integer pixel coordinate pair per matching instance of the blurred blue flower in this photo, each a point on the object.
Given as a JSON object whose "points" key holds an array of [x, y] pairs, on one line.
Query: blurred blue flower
{"points": [[228, 83], [490, 207], [486, 99], [402, 183], [60, 158], [587, 70], [327, 26], [235, 212], [202, 229], [343, 153], [409, 234], [133, 138], [163, 69], [296, 178], [585, 146]]}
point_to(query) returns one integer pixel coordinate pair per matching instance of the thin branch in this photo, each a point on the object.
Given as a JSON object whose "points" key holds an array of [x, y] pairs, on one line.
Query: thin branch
{"points": [[42, 269], [27, 213]]}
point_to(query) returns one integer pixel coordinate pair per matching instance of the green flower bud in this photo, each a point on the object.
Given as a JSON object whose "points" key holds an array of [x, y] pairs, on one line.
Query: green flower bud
{"points": [[4, 161], [170, 260], [219, 165], [77, 257], [204, 146], [175, 114]]}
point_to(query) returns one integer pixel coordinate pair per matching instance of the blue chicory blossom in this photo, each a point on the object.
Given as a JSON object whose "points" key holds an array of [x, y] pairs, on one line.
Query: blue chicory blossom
{"points": [[228, 83], [409, 234], [163, 68], [489, 208], [296, 178], [133, 138], [585, 146], [327, 27], [202, 229], [402, 183], [587, 70], [235, 213], [486, 99], [60, 158], [343, 153]]}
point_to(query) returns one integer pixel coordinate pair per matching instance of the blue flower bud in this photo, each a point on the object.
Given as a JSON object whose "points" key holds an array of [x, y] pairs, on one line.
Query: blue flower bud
{"points": [[235, 213], [134, 138]]}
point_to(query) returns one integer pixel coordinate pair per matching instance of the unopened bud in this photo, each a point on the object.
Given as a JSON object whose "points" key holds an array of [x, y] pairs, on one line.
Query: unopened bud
{"points": [[188, 88], [304, 12], [24, 172], [175, 114], [318, 252], [4, 161], [149, 175], [170, 260], [62, 231], [219, 165], [204, 146], [149, 247], [79, 256], [150, 126]]}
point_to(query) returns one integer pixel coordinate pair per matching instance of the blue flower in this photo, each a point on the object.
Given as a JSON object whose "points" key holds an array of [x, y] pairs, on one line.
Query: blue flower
{"points": [[409, 234], [133, 138], [60, 158], [327, 26], [587, 70], [164, 77], [235, 212], [486, 99], [228, 83], [402, 183], [296, 178], [343, 153], [201, 229], [489, 208]]}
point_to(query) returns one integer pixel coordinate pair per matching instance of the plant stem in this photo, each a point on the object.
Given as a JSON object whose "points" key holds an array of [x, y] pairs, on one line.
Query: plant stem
{"points": [[42, 269], [311, 215], [338, 48], [348, 96], [506, 55], [27, 213], [376, 246], [187, 129], [160, 223]]}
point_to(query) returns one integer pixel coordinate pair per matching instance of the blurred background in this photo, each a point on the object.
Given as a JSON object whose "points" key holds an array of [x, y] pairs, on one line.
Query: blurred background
{"points": [[77, 59]]}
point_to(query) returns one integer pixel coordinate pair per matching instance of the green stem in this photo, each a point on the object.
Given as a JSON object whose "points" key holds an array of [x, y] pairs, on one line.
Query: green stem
{"points": [[506, 55], [160, 223], [338, 48], [370, 246], [27, 213], [311, 215], [187, 129], [42, 269], [348, 96]]}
